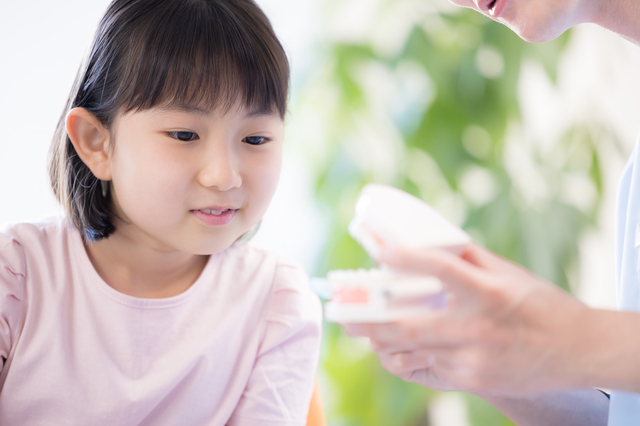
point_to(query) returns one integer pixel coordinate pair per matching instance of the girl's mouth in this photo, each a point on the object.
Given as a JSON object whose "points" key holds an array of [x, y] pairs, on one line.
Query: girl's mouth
{"points": [[215, 217], [213, 212]]}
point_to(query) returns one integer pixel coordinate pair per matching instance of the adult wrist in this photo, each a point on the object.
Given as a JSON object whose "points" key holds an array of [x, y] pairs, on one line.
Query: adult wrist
{"points": [[609, 350]]}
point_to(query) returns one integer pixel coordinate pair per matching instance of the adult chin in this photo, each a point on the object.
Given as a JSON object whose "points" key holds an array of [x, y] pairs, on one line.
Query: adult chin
{"points": [[535, 21], [537, 35], [533, 31], [546, 20]]}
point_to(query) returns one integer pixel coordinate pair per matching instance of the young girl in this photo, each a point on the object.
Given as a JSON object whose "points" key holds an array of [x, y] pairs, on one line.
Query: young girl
{"points": [[142, 307]]}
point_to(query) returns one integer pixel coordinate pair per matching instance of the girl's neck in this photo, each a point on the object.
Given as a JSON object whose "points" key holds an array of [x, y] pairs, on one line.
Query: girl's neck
{"points": [[142, 271]]}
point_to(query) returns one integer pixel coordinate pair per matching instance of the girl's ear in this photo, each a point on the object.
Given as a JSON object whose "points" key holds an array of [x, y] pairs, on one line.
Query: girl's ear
{"points": [[91, 141]]}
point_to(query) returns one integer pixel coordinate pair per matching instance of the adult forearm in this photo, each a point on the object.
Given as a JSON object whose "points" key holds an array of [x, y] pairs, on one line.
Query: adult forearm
{"points": [[581, 407], [585, 347]]}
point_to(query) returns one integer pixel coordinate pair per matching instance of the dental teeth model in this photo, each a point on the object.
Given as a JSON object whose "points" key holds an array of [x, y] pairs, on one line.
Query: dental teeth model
{"points": [[379, 295], [386, 216]]}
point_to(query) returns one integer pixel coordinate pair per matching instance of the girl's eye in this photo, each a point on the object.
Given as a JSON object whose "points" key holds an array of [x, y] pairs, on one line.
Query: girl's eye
{"points": [[256, 140], [184, 136]]}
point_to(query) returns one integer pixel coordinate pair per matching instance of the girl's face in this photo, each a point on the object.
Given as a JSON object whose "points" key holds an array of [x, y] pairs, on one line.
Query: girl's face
{"points": [[532, 20], [192, 180]]}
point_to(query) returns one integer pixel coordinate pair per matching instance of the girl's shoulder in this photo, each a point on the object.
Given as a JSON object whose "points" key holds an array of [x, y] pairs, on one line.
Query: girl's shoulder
{"points": [[12, 265], [39, 231], [22, 244], [286, 274], [46, 234], [291, 299]]}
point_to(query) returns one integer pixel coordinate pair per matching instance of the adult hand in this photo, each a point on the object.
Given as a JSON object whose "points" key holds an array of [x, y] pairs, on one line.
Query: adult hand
{"points": [[503, 329]]}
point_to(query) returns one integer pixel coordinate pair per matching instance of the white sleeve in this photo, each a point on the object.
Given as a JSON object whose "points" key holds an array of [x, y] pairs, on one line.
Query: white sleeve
{"points": [[283, 376], [12, 266]]}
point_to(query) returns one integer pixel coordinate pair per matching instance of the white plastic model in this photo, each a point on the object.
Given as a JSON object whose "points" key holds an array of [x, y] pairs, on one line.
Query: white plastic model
{"points": [[389, 216]]}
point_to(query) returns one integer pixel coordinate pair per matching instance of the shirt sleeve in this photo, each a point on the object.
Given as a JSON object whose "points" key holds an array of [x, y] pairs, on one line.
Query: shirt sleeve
{"points": [[280, 386], [12, 267]]}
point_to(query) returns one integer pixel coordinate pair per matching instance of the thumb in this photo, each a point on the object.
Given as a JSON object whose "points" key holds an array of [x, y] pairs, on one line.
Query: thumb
{"points": [[457, 274]]}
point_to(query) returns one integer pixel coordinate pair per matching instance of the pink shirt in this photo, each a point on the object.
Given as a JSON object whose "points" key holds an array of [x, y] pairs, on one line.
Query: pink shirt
{"points": [[239, 347]]}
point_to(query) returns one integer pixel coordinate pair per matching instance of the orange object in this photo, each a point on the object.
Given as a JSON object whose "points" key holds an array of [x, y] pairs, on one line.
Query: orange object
{"points": [[355, 295], [316, 415]]}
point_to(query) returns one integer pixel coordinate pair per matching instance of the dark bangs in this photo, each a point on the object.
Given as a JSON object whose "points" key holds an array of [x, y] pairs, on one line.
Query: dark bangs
{"points": [[203, 54], [194, 54]]}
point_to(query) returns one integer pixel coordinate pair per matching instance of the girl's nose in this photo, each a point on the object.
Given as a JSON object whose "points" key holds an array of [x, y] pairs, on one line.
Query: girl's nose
{"points": [[220, 170]]}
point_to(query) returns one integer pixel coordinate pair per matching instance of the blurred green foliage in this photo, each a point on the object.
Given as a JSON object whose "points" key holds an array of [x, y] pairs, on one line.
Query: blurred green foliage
{"points": [[430, 105]]}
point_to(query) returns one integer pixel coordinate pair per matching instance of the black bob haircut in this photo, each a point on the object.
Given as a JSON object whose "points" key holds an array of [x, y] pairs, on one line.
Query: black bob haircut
{"points": [[203, 54]]}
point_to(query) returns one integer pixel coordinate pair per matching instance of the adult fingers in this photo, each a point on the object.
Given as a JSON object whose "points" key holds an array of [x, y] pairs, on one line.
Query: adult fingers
{"points": [[456, 273], [420, 367], [488, 260], [404, 362], [434, 329]]}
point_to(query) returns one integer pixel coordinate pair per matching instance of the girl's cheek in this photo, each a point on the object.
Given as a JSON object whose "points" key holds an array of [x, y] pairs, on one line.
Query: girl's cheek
{"points": [[274, 168], [265, 176], [146, 174]]}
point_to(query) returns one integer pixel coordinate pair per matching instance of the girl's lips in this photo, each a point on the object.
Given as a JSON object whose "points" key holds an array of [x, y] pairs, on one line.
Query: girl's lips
{"points": [[214, 217]]}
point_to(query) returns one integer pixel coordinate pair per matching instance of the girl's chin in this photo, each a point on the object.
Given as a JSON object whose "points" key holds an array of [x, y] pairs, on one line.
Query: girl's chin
{"points": [[211, 245], [208, 250]]}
